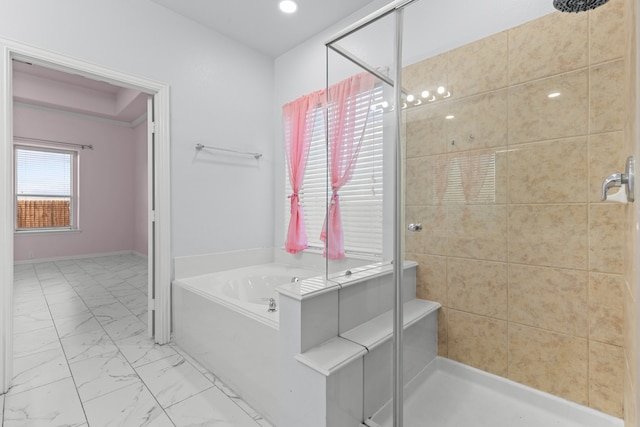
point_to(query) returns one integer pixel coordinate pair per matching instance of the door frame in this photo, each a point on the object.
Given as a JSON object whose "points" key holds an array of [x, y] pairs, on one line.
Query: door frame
{"points": [[162, 189]]}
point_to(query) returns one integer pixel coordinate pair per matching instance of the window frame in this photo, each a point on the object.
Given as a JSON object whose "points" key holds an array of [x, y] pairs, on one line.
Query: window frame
{"points": [[74, 188]]}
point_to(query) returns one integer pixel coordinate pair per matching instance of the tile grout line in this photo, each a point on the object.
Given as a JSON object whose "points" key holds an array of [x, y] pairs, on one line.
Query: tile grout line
{"points": [[120, 352], [75, 385]]}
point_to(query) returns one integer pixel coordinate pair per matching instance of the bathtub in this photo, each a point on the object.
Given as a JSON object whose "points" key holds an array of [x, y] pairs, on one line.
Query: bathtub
{"points": [[222, 320]]}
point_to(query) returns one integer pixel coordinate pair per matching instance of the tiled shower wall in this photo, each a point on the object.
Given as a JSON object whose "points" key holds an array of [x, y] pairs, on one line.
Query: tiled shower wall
{"points": [[525, 259]]}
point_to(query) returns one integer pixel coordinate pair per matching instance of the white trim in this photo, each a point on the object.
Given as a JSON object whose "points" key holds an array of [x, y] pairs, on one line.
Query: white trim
{"points": [[162, 215], [140, 254], [26, 232], [6, 219], [93, 117], [11, 49], [72, 257]]}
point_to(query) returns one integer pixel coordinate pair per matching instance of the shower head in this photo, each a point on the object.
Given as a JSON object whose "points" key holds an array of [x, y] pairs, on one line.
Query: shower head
{"points": [[577, 5]]}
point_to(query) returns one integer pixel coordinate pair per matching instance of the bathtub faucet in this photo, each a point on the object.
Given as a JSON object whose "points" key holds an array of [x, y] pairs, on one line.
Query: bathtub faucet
{"points": [[295, 279], [272, 304]]}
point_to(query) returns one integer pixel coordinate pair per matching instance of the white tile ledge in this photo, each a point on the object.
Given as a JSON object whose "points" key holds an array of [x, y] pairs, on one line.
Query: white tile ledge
{"points": [[380, 329], [331, 355], [339, 351], [318, 285]]}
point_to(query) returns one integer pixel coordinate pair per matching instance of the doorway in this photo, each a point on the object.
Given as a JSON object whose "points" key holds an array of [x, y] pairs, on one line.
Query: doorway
{"points": [[158, 188]]}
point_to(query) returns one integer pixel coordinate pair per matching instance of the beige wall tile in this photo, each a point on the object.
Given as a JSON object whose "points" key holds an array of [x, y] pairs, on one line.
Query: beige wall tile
{"points": [[630, 330], [549, 298], [548, 235], [478, 341], [477, 177], [432, 239], [431, 277], [606, 378], [549, 361], [443, 347], [478, 232], [479, 122], [480, 66], [630, 399], [416, 180], [478, 287], [606, 237], [426, 130], [607, 99], [549, 172], [533, 116], [607, 155], [606, 308], [426, 75], [607, 32], [553, 44], [426, 180]]}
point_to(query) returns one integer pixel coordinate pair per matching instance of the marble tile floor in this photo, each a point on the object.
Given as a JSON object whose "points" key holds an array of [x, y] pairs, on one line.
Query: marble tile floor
{"points": [[82, 356]]}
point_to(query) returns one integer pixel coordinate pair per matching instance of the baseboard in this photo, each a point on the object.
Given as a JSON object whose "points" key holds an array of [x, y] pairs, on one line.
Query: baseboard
{"points": [[140, 254], [71, 257]]}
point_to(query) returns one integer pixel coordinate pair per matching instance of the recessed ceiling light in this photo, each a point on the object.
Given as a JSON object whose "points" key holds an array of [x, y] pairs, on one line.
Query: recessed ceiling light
{"points": [[288, 6]]}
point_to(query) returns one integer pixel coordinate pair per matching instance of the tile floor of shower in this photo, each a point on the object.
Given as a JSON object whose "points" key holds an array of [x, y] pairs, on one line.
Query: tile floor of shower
{"points": [[82, 356]]}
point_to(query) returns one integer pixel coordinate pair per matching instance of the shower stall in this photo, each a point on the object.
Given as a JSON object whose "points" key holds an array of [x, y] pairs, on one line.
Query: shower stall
{"points": [[497, 123]]}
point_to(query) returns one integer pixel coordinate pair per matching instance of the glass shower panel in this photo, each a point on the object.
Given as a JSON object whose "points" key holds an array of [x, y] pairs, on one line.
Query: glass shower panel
{"points": [[360, 155], [497, 114]]}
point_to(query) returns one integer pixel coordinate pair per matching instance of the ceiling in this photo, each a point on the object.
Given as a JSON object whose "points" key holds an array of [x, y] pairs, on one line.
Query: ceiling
{"points": [[260, 24], [45, 88]]}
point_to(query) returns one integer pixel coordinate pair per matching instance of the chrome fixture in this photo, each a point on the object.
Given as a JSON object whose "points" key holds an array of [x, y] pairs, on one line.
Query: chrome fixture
{"points": [[272, 304], [415, 228], [295, 279], [619, 179]]}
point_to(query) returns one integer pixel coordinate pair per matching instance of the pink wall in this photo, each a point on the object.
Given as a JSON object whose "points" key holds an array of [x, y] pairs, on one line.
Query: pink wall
{"points": [[107, 186], [140, 187]]}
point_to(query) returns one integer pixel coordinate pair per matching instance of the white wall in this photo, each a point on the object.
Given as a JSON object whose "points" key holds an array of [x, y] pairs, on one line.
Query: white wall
{"points": [[221, 94]]}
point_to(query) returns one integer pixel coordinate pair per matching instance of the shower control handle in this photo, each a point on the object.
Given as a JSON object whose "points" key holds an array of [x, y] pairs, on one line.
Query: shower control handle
{"points": [[619, 179], [414, 228], [613, 180]]}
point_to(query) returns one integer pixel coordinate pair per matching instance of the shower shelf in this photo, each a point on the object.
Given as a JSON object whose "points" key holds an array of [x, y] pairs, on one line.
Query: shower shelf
{"points": [[333, 354]]}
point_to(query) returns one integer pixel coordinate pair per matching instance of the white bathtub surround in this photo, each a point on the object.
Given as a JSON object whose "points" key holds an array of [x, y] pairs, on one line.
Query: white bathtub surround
{"points": [[247, 289], [241, 350], [196, 265], [240, 345]]}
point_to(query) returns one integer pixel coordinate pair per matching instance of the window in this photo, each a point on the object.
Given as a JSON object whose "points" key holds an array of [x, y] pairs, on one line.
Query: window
{"points": [[44, 188], [361, 198]]}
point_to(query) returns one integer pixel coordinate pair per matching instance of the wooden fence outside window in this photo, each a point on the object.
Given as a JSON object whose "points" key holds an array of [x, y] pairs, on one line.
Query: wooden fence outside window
{"points": [[43, 213]]}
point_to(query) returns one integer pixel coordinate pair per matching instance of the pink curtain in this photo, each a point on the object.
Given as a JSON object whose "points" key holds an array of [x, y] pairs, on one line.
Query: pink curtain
{"points": [[349, 103], [298, 124]]}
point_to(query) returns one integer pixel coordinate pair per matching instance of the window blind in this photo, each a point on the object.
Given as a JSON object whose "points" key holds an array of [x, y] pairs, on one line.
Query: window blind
{"points": [[361, 198], [44, 188], [43, 173]]}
